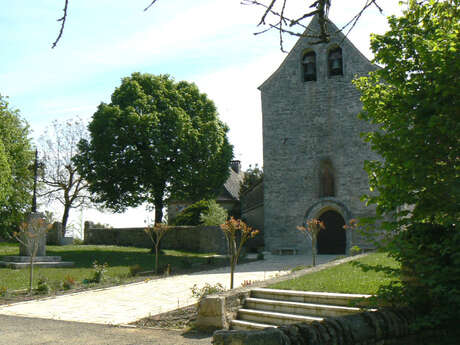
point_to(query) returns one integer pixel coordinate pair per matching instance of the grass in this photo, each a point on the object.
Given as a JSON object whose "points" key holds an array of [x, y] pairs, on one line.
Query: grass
{"points": [[345, 278], [119, 260]]}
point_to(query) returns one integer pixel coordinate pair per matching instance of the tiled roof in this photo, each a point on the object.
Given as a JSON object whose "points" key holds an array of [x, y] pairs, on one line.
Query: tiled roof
{"points": [[232, 185]]}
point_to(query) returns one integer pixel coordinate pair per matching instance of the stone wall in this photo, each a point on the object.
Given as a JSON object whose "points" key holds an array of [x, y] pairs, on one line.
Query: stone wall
{"points": [[189, 238], [385, 327], [252, 212], [304, 125]]}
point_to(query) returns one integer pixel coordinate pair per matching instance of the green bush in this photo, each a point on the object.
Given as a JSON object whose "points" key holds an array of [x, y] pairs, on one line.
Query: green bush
{"points": [[206, 290], [43, 286], [215, 215], [191, 214]]}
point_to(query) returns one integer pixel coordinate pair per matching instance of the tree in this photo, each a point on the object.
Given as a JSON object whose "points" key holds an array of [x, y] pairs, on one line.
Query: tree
{"points": [[237, 233], [16, 158], [157, 139], [31, 236], [276, 10], [413, 102], [252, 176], [60, 177], [314, 226], [156, 233]]}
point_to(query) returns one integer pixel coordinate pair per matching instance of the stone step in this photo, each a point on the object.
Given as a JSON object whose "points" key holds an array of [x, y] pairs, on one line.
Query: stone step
{"points": [[242, 325], [327, 298], [26, 259], [46, 264], [273, 318], [298, 308]]}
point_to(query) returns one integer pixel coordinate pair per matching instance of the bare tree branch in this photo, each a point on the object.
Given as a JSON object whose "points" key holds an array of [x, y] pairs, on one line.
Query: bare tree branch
{"points": [[151, 4], [321, 8], [62, 20]]}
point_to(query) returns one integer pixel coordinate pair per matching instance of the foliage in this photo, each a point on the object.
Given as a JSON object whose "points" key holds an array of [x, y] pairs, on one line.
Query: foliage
{"points": [[155, 234], [68, 282], [206, 290], [191, 215], [214, 215], [355, 250], [237, 233], [60, 179], [314, 226], [16, 158], [134, 270], [99, 271], [252, 176], [413, 103], [157, 139], [43, 286]]}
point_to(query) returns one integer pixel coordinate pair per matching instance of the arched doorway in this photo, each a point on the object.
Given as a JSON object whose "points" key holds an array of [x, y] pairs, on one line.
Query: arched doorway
{"points": [[332, 239]]}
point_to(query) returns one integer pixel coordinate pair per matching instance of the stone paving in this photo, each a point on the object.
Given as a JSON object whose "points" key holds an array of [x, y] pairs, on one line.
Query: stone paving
{"points": [[128, 303]]}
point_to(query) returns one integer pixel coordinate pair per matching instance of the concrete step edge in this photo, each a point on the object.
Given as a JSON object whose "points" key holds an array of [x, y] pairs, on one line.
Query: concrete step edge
{"points": [[329, 295], [242, 324], [276, 315], [302, 304]]}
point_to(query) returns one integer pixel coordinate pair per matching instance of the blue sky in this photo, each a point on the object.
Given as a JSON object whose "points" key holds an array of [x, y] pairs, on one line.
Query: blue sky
{"points": [[209, 42]]}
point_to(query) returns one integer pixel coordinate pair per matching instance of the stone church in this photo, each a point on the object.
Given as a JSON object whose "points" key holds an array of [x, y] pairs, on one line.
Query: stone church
{"points": [[312, 150]]}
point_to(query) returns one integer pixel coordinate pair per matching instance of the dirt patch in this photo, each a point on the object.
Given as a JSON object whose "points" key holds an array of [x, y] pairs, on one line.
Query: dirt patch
{"points": [[181, 318]]}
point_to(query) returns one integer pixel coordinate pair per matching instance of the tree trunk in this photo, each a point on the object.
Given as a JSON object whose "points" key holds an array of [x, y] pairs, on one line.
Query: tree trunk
{"points": [[157, 251], [313, 248], [31, 272], [232, 271], [65, 218], [158, 210]]}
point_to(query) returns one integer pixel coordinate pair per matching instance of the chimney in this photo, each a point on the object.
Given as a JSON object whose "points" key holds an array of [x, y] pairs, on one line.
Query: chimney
{"points": [[236, 166]]}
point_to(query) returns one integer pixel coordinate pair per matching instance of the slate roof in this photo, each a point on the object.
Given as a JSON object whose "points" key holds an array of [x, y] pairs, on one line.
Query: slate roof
{"points": [[232, 186]]}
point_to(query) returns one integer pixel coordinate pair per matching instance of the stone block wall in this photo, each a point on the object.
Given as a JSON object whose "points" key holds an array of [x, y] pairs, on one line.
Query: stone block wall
{"points": [[189, 238], [304, 125], [252, 213], [387, 327]]}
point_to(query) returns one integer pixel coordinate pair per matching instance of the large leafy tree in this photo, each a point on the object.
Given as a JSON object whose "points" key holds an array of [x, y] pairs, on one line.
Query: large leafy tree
{"points": [[157, 139], [60, 179], [413, 102], [15, 167]]}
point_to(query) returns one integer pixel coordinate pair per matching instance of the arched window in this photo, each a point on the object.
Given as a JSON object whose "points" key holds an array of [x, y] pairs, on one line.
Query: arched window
{"points": [[326, 179], [309, 66], [335, 62]]}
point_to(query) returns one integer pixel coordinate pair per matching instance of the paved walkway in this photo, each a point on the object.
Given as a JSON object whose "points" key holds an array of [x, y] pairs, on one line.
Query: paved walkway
{"points": [[128, 303]]}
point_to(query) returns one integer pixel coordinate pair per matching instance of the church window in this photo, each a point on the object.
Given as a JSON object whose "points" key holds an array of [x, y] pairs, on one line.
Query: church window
{"points": [[327, 183], [335, 62], [309, 66]]}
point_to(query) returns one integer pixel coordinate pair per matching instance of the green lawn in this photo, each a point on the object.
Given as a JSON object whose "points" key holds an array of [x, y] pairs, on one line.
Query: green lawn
{"points": [[119, 259], [344, 278]]}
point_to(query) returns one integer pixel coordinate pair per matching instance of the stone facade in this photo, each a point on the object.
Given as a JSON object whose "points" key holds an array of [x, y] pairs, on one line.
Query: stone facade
{"points": [[313, 153]]}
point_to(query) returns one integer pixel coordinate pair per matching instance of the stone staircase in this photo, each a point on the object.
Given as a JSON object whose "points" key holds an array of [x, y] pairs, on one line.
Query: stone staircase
{"points": [[271, 308]]}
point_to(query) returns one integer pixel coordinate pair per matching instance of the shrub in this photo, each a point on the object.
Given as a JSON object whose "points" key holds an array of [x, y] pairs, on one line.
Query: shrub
{"points": [[191, 214], [355, 250], [206, 290], [134, 270], [215, 215], [68, 282], [100, 270], [4, 291], [43, 285]]}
